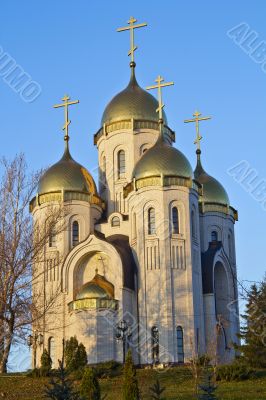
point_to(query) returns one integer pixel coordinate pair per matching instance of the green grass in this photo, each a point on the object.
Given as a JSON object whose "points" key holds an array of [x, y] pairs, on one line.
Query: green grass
{"points": [[178, 382]]}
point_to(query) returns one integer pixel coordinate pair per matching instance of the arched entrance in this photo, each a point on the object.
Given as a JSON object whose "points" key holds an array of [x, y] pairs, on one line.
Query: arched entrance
{"points": [[221, 292]]}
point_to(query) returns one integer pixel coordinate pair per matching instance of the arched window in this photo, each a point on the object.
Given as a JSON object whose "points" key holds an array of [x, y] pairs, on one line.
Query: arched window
{"points": [[103, 170], [51, 350], [151, 221], [175, 220], [230, 251], [134, 226], [75, 233], [193, 224], [155, 344], [121, 164], [180, 344], [52, 237], [115, 221], [214, 236]]}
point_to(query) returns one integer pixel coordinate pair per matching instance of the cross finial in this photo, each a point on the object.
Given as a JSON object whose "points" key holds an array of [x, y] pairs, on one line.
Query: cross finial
{"points": [[65, 104], [159, 86], [131, 28], [197, 119]]}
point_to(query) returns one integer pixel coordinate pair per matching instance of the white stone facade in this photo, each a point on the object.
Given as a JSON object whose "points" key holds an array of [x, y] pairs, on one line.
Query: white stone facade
{"points": [[173, 282]]}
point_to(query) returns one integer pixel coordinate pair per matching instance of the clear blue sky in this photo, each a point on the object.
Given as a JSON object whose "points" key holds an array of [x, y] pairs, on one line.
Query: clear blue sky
{"points": [[73, 47]]}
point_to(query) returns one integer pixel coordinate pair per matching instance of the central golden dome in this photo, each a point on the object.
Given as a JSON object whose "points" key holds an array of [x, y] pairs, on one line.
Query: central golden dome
{"points": [[67, 175], [132, 102], [163, 159]]}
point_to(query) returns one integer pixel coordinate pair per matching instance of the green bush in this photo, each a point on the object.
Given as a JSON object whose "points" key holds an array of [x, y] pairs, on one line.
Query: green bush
{"points": [[89, 387], [130, 383], [75, 354], [46, 363], [234, 372]]}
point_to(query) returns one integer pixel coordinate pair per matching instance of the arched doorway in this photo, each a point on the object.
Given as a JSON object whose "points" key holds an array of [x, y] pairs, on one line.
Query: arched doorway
{"points": [[221, 292]]}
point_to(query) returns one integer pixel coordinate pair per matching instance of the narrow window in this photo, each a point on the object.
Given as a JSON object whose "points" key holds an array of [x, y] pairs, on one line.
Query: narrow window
{"points": [[214, 236], [193, 224], [121, 164], [175, 220], [103, 171], [180, 344], [151, 221], [134, 226], [115, 221], [75, 233], [155, 344], [230, 246], [52, 237], [51, 350]]}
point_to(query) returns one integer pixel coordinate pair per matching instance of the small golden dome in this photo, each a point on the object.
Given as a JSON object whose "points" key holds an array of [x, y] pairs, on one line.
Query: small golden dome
{"points": [[67, 174], [212, 190], [97, 288], [92, 291], [162, 159], [132, 102]]}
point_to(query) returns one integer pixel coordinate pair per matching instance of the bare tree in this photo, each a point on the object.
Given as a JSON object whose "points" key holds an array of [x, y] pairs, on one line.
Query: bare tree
{"points": [[21, 246]]}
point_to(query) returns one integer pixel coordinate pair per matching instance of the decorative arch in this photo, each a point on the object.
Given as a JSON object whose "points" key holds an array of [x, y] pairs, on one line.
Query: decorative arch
{"points": [[115, 221], [181, 216], [76, 230], [214, 228], [146, 206], [121, 164], [151, 221], [85, 249], [222, 300]]}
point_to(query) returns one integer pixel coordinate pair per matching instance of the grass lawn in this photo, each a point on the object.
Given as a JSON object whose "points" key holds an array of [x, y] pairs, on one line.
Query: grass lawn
{"points": [[178, 382]]}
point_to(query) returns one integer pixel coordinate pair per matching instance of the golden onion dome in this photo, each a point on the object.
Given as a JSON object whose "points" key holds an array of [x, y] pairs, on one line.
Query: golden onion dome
{"points": [[67, 175], [97, 288], [212, 190], [133, 102], [92, 291], [162, 159]]}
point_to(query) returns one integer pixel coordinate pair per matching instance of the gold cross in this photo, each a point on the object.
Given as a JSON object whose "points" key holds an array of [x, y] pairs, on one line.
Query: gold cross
{"points": [[131, 28], [160, 100], [197, 119], [65, 104]]}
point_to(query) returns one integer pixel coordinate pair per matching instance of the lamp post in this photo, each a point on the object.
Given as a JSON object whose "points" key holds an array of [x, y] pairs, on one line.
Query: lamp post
{"points": [[33, 341], [123, 333]]}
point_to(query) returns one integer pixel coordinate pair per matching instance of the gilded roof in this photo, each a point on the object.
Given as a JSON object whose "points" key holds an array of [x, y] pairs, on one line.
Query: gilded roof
{"points": [[162, 159], [212, 190], [97, 288], [133, 102], [67, 174]]}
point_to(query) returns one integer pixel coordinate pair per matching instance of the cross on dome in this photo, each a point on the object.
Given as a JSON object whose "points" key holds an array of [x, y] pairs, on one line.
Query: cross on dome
{"points": [[65, 104], [159, 86], [197, 119], [131, 28]]}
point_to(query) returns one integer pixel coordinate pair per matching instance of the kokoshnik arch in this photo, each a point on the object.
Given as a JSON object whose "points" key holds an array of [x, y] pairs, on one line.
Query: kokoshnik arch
{"points": [[152, 245]]}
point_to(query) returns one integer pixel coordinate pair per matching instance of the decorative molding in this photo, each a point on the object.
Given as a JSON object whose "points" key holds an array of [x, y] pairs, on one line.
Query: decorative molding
{"points": [[131, 124], [220, 208], [93, 304], [60, 196]]}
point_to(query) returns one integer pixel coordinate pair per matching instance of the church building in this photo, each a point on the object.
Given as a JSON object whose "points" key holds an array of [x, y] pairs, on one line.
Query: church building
{"points": [[147, 258]]}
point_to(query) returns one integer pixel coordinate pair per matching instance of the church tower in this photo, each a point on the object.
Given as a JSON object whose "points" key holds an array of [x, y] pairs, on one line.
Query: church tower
{"points": [[218, 260]]}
